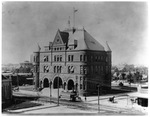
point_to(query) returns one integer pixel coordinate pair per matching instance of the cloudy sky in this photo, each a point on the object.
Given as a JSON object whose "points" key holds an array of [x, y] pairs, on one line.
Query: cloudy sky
{"points": [[122, 24]]}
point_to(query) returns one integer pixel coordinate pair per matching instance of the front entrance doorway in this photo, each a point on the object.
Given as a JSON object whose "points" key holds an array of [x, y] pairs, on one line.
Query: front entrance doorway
{"points": [[57, 81], [70, 85], [46, 83]]}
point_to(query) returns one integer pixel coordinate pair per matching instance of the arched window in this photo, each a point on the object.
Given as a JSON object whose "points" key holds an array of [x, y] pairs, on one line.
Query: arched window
{"points": [[81, 58], [55, 58], [54, 69], [68, 69]]}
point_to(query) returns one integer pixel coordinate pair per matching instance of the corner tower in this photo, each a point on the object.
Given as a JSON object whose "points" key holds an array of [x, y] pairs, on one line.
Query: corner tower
{"points": [[108, 65]]}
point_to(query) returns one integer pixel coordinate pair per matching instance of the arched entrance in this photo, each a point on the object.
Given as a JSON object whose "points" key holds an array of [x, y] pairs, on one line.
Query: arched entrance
{"points": [[55, 85], [70, 85], [46, 83]]}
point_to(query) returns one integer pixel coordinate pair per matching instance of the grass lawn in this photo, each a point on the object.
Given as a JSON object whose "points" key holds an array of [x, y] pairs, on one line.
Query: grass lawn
{"points": [[27, 104]]}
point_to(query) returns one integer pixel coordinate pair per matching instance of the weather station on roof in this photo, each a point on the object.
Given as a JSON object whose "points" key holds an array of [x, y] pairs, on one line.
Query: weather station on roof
{"points": [[81, 61]]}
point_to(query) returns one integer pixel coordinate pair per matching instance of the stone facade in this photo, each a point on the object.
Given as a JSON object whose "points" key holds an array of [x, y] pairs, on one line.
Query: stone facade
{"points": [[74, 60]]}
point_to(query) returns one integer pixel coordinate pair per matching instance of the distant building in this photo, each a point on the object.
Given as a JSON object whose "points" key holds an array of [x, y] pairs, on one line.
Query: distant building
{"points": [[140, 98], [74, 60], [6, 91], [26, 64]]}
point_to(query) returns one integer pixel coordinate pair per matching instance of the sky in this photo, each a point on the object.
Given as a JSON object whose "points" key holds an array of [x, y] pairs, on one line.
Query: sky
{"points": [[124, 25]]}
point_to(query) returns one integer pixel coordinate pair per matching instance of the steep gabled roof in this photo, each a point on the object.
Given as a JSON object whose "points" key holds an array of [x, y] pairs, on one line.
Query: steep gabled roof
{"points": [[79, 36], [91, 43], [61, 38], [64, 36], [85, 41]]}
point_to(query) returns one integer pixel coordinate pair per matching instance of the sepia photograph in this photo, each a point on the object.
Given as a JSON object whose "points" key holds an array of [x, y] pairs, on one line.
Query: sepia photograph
{"points": [[74, 58]]}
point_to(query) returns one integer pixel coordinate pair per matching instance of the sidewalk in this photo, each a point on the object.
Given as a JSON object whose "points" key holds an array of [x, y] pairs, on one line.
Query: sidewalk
{"points": [[121, 100]]}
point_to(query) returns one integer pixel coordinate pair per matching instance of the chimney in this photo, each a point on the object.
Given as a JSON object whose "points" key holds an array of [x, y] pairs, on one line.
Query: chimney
{"points": [[50, 45], [75, 43]]}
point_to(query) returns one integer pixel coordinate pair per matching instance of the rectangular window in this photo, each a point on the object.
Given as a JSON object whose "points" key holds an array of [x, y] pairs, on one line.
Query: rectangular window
{"points": [[57, 57], [71, 57], [84, 69], [85, 58], [106, 59], [45, 58], [81, 82], [84, 83], [46, 69], [60, 58], [91, 69], [80, 57], [71, 69], [54, 69], [68, 57], [81, 69], [91, 58]]}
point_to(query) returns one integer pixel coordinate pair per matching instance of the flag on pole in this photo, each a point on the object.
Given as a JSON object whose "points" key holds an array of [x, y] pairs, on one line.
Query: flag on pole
{"points": [[75, 10]]}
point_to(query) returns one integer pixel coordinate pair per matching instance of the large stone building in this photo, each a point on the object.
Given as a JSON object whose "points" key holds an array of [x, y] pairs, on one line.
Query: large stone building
{"points": [[74, 60]]}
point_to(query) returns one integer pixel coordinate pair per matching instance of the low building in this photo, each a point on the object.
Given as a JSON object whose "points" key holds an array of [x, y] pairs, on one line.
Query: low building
{"points": [[140, 98]]}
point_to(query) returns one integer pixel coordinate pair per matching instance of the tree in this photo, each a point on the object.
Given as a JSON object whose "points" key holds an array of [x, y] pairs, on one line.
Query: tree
{"points": [[129, 77], [123, 76]]}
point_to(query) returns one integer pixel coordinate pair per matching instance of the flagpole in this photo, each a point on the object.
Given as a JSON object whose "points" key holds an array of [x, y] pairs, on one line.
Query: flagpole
{"points": [[73, 17]]}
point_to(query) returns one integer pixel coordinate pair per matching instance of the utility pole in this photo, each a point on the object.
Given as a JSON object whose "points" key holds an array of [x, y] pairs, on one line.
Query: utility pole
{"points": [[58, 92], [98, 100], [17, 79], [50, 91], [58, 87]]}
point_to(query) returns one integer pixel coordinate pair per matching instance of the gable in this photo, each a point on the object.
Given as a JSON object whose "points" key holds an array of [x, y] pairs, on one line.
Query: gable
{"points": [[58, 40]]}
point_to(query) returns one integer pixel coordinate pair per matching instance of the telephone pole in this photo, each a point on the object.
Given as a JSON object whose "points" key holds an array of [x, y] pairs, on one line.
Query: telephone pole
{"points": [[98, 100]]}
